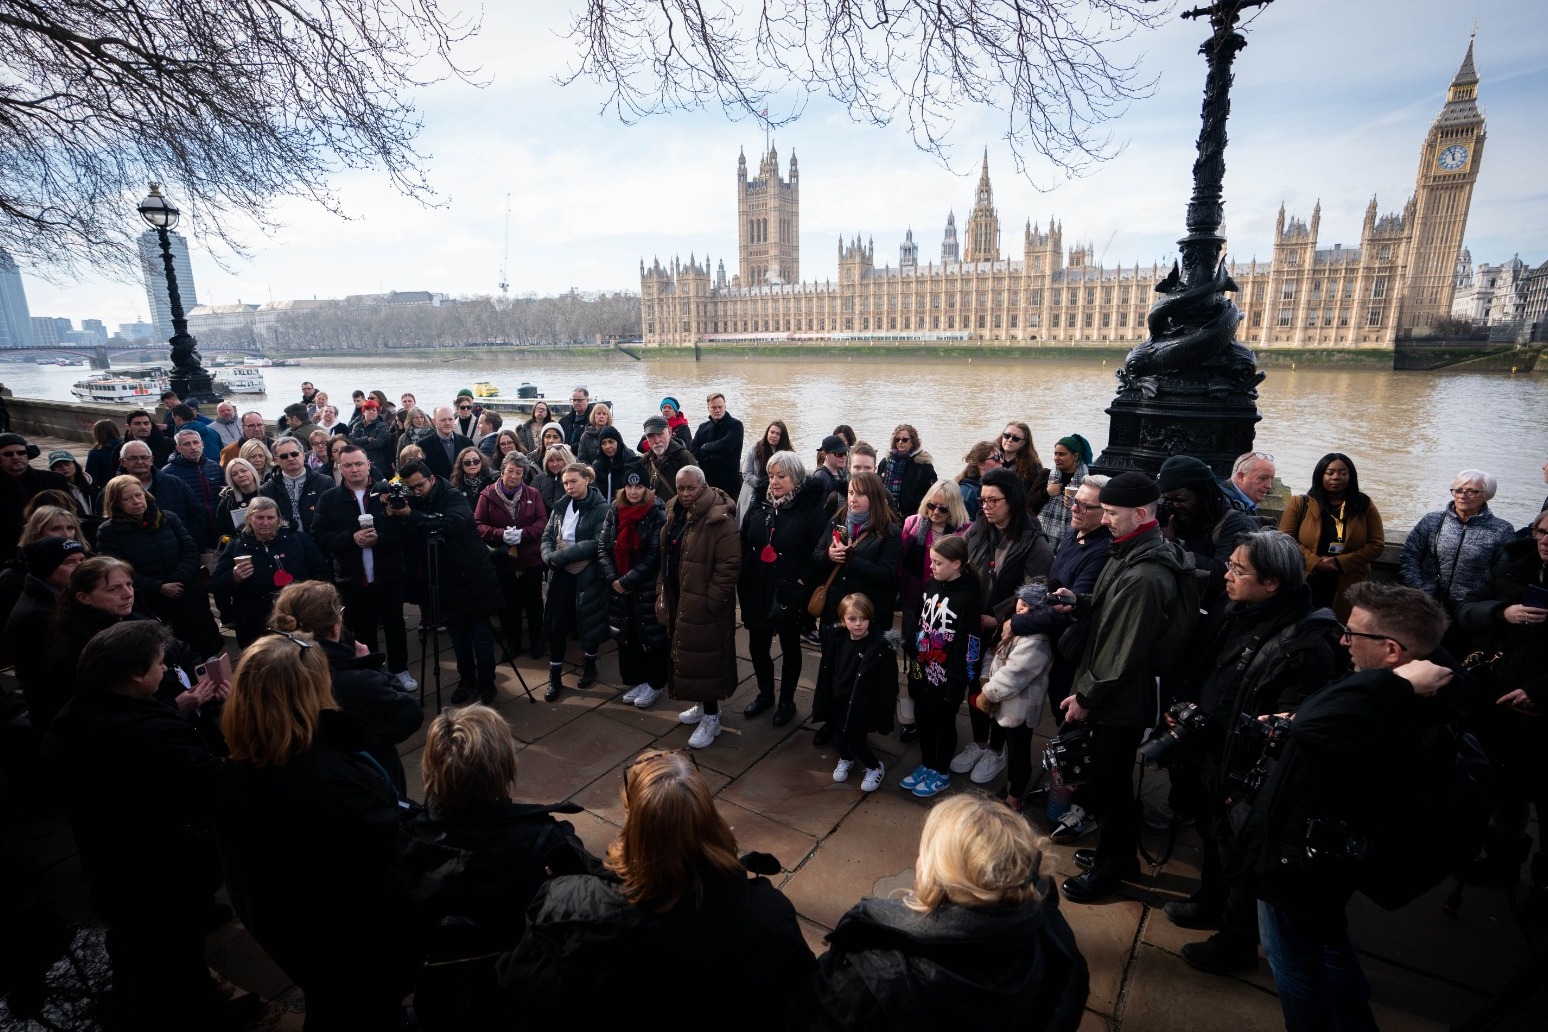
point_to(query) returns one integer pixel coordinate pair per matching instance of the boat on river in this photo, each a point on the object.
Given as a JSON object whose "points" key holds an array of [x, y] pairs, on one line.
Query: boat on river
{"points": [[242, 379], [123, 386], [485, 389]]}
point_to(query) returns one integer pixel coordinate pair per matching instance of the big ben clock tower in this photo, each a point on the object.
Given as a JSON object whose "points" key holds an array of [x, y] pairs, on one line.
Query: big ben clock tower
{"points": [[1448, 168]]}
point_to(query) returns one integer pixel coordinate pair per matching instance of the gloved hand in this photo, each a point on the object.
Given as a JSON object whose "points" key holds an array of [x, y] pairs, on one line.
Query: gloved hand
{"points": [[512, 535]]}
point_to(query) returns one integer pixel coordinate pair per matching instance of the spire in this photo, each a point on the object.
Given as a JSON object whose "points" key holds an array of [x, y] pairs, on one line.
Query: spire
{"points": [[1462, 94], [1467, 75]]}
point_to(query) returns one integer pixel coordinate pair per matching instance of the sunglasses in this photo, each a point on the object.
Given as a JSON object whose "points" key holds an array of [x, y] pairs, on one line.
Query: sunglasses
{"points": [[13, 455], [1012, 437], [464, 408], [471, 462], [900, 440], [935, 507]]}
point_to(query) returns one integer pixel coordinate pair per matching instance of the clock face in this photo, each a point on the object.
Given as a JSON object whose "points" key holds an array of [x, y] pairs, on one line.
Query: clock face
{"points": [[1452, 158]]}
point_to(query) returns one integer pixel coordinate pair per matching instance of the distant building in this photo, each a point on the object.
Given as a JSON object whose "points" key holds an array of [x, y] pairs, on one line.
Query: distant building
{"points": [[155, 272], [1493, 294], [1534, 311], [1399, 280], [96, 329], [289, 323], [136, 330], [15, 319], [50, 331]]}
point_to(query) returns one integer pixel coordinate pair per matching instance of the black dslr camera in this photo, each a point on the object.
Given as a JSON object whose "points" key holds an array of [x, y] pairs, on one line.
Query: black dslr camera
{"points": [[397, 494], [1068, 756], [1328, 838], [1176, 743], [1271, 732]]}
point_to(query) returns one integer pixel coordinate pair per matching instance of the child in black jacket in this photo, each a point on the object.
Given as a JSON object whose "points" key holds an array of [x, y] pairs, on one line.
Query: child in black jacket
{"points": [[860, 671], [945, 663]]}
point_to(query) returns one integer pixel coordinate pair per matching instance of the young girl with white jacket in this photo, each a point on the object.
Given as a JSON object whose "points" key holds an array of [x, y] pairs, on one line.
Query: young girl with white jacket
{"points": [[1014, 691]]}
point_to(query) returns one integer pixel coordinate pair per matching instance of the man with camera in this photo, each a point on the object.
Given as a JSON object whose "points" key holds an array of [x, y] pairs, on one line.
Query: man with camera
{"points": [[460, 583], [1140, 619], [1195, 511], [1263, 653], [1340, 781], [352, 529]]}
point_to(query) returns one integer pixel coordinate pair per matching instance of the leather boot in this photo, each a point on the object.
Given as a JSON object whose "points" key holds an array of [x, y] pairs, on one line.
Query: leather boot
{"points": [[785, 712], [763, 701], [588, 673], [555, 683]]}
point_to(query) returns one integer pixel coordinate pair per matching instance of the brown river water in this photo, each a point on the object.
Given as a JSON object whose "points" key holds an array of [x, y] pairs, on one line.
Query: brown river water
{"points": [[1408, 432]]}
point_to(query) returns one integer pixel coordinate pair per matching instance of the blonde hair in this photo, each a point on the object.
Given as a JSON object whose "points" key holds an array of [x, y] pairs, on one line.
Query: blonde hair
{"points": [[279, 691], [251, 448], [672, 835], [312, 606], [470, 758], [856, 603], [975, 852], [233, 466], [604, 409], [411, 453], [956, 511], [42, 516], [113, 493]]}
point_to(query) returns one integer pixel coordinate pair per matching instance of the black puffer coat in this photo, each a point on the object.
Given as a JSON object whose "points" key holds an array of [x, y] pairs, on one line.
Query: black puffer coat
{"points": [[888, 967], [865, 701], [584, 942], [872, 570], [632, 616], [386, 713], [157, 545], [775, 593], [250, 602], [1525, 646], [590, 590]]}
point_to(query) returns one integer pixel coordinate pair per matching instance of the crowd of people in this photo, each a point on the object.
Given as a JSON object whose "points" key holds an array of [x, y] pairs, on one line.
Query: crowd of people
{"points": [[1162, 615]]}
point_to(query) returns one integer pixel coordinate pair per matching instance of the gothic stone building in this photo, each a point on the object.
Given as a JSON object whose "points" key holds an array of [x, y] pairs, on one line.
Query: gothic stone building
{"points": [[1399, 280]]}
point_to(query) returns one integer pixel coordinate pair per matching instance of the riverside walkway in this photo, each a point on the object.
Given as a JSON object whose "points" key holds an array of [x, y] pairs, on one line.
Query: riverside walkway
{"points": [[836, 844]]}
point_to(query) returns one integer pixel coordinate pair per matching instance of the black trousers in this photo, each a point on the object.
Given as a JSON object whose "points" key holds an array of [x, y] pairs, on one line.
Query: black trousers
{"points": [[369, 606], [853, 746], [563, 591], [760, 641], [936, 717], [1018, 759], [158, 967], [1110, 793], [640, 664], [522, 591]]}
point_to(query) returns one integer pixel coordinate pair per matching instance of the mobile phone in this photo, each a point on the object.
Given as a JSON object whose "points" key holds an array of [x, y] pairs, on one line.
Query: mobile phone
{"points": [[1535, 596]]}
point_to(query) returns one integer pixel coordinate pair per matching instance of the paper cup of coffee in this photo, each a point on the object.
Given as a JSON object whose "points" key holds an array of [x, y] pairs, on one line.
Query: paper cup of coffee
{"points": [[367, 521], [244, 558]]}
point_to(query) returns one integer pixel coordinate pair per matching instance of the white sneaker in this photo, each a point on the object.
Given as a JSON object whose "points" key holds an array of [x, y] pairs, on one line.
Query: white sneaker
{"points": [[988, 767], [965, 760], [632, 694], [405, 681], [692, 715], [841, 772], [873, 778], [707, 731], [647, 697]]}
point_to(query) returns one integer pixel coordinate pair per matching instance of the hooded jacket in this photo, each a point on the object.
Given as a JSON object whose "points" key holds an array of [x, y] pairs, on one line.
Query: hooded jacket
{"points": [[1130, 609], [918, 475], [697, 605], [865, 701], [1004, 565], [313, 487], [610, 471], [386, 713], [467, 582], [888, 967]]}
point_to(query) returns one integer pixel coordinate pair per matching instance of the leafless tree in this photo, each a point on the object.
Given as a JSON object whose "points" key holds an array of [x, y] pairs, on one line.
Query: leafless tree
{"points": [[232, 104], [1046, 65]]}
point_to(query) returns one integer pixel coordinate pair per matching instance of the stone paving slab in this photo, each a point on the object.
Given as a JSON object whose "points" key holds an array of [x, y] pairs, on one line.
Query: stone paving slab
{"points": [[871, 853]]}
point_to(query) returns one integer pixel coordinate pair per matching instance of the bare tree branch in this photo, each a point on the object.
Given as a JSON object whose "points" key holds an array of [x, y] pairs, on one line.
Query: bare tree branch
{"points": [[232, 104], [1043, 65]]}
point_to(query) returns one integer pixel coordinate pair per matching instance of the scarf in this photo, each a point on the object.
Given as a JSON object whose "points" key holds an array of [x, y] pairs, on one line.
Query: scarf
{"points": [[855, 522], [677, 421], [892, 474], [779, 503], [628, 543], [509, 499]]}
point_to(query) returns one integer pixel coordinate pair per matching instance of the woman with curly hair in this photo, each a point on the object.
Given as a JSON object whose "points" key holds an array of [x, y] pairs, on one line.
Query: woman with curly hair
{"points": [[1019, 453], [907, 470]]}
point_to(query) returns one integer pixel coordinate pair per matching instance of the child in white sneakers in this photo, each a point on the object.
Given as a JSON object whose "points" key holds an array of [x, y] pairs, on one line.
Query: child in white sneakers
{"points": [[1015, 690], [860, 669]]}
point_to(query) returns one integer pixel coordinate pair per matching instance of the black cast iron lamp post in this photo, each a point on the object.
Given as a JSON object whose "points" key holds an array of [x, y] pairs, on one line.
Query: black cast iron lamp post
{"points": [[189, 378]]}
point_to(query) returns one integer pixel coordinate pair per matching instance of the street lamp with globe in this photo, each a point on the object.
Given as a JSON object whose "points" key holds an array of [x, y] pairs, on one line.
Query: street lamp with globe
{"points": [[189, 379]]}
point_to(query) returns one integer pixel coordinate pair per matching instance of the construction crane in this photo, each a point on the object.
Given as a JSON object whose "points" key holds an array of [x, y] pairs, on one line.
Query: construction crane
{"points": [[505, 261]]}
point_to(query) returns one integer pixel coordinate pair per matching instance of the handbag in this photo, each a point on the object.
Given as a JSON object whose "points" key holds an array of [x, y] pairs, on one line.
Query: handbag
{"points": [[819, 600]]}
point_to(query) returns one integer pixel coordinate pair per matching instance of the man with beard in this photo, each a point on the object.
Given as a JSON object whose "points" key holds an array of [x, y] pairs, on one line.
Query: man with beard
{"points": [[665, 457], [1195, 512]]}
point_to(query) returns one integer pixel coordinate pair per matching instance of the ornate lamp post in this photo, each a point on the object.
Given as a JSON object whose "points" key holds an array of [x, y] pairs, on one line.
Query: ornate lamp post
{"points": [[1191, 388], [189, 378]]}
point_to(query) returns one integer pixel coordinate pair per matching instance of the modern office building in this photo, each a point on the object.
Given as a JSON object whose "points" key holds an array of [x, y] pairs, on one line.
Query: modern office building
{"points": [[156, 279], [15, 319]]}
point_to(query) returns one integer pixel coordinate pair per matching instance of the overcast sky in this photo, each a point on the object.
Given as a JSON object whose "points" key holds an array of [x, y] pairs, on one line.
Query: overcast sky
{"points": [[1332, 101]]}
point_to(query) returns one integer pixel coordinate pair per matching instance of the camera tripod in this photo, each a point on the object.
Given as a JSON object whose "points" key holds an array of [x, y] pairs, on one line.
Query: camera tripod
{"points": [[430, 624]]}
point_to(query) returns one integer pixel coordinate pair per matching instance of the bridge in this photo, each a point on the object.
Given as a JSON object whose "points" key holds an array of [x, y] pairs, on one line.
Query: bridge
{"points": [[106, 357]]}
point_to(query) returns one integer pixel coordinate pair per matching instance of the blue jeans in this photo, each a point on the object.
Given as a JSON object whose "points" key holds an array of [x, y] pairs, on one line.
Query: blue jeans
{"points": [[1321, 985]]}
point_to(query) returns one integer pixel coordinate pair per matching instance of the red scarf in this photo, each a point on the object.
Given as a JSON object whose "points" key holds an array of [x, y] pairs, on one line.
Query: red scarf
{"points": [[629, 517], [677, 421]]}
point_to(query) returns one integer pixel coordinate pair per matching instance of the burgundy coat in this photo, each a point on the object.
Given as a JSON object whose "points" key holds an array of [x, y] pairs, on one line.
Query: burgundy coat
{"points": [[492, 517]]}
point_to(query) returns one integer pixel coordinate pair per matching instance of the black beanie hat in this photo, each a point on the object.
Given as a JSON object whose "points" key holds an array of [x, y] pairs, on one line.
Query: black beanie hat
{"points": [[1130, 490], [1184, 471], [44, 555]]}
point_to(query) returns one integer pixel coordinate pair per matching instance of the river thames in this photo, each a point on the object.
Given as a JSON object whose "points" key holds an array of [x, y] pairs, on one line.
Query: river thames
{"points": [[1408, 432]]}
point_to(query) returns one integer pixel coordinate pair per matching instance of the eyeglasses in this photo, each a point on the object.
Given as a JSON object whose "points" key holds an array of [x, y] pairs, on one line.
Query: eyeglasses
{"points": [[301, 642], [991, 499], [419, 487], [1081, 507], [934, 507], [1007, 435], [1347, 633], [471, 462], [1238, 570], [13, 454], [1539, 532], [1468, 491]]}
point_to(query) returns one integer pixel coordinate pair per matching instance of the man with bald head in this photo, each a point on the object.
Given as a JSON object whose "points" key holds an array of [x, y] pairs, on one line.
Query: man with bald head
{"points": [[442, 448]]}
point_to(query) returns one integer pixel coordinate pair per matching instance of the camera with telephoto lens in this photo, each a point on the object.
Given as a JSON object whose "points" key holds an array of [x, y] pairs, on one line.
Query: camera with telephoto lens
{"points": [[1328, 838], [397, 494], [1177, 742], [1068, 757]]}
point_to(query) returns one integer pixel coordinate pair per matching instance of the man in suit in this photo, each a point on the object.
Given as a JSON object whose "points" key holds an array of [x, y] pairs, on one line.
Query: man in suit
{"points": [[442, 449]]}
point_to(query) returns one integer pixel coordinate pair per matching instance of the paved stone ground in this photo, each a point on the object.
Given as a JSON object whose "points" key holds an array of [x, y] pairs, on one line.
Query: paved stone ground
{"points": [[836, 844]]}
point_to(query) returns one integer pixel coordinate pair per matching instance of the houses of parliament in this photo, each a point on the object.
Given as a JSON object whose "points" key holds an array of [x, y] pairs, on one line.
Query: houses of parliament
{"points": [[1399, 279]]}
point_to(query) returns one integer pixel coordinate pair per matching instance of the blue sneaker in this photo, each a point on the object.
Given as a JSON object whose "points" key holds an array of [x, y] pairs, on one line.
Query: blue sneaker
{"points": [[933, 784], [911, 780]]}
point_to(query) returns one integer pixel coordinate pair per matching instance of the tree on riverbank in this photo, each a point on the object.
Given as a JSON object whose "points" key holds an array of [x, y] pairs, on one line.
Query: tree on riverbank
{"points": [[1046, 66], [232, 104]]}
